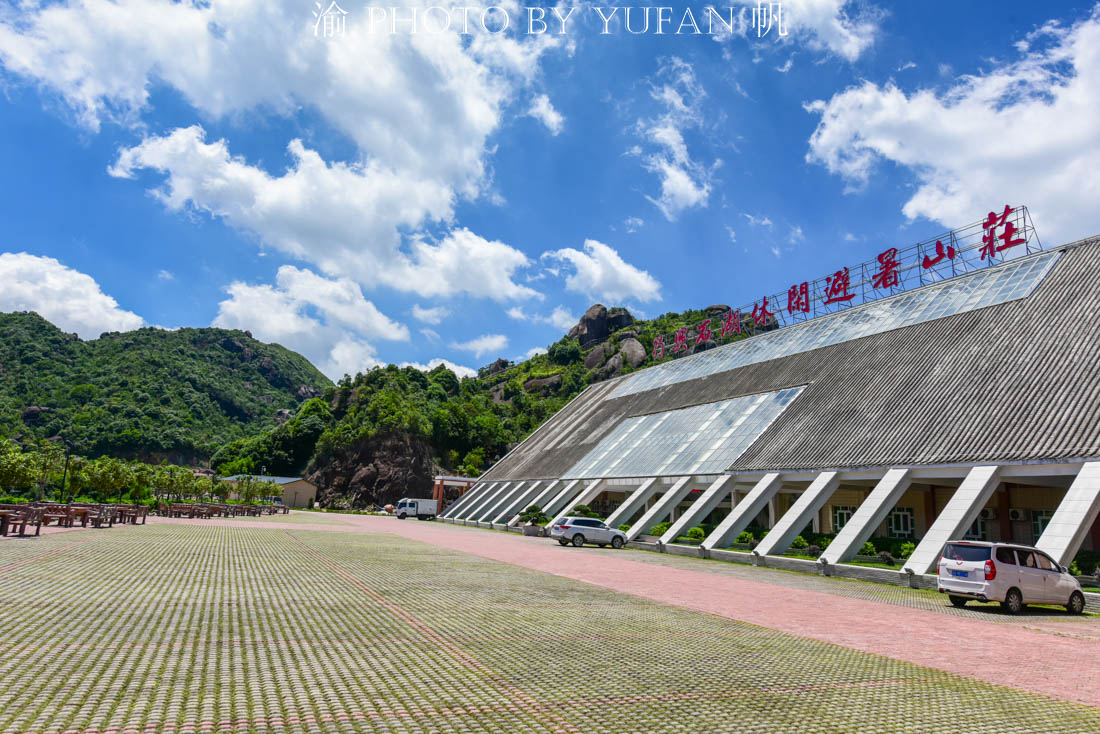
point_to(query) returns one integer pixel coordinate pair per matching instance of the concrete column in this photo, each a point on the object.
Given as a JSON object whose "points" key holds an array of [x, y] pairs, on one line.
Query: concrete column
{"points": [[590, 493], [482, 502], [773, 510], [867, 516], [699, 509], [661, 507], [633, 503], [558, 501], [518, 503], [541, 498], [743, 513], [1074, 516], [801, 512], [468, 496], [493, 507], [957, 515]]}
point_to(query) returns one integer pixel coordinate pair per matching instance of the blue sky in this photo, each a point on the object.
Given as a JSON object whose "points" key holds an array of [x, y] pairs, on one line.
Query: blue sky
{"points": [[373, 197]]}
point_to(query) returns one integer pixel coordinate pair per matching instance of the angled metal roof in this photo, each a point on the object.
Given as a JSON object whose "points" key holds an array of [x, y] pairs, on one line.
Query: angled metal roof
{"points": [[1015, 381]]}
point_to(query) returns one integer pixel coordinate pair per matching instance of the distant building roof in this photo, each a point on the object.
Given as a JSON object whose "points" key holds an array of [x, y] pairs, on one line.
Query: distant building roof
{"points": [[262, 478], [445, 478]]}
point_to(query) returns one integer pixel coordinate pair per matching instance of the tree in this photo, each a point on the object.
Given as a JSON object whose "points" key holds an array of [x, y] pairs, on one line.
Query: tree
{"points": [[17, 468], [222, 489], [110, 476]]}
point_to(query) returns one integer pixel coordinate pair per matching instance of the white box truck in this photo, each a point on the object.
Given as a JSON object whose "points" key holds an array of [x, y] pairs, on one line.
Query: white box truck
{"points": [[421, 509]]}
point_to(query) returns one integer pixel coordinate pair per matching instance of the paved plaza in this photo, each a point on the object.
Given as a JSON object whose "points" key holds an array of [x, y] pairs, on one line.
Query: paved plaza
{"points": [[350, 623]]}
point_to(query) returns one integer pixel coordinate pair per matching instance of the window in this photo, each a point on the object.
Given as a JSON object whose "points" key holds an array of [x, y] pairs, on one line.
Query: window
{"points": [[841, 515], [977, 531], [1039, 521], [970, 553], [1005, 555], [1027, 558], [1045, 563], [900, 522]]}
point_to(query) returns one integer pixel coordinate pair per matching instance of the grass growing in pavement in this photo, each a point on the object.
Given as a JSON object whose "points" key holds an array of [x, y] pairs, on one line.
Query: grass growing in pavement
{"points": [[175, 628]]}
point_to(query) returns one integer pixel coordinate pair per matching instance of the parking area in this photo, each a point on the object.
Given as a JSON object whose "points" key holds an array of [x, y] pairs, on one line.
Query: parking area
{"points": [[378, 625]]}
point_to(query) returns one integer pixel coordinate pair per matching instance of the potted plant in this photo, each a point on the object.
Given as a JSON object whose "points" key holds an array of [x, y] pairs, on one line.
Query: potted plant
{"points": [[533, 518]]}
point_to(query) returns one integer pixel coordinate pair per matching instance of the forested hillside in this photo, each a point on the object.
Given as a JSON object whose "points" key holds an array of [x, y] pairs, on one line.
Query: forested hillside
{"points": [[218, 397], [150, 394]]}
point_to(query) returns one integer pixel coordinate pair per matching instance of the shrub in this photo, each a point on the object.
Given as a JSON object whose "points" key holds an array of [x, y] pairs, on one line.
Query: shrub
{"points": [[886, 558], [824, 541], [624, 527], [744, 537], [584, 511], [660, 528], [533, 515], [868, 549], [1073, 569], [814, 550], [753, 543], [799, 543], [907, 549], [696, 534]]}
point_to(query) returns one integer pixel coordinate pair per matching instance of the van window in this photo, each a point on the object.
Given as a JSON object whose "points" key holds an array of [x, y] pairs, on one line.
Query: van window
{"points": [[1027, 558], [1005, 555], [1045, 563], [959, 552]]}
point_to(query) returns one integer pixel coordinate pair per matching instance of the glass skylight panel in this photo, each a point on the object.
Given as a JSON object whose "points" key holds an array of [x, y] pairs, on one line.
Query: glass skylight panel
{"points": [[1008, 282], [702, 439]]}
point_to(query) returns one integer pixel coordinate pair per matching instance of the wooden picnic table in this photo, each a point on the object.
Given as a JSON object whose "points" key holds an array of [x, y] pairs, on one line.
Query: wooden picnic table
{"points": [[4, 517]]}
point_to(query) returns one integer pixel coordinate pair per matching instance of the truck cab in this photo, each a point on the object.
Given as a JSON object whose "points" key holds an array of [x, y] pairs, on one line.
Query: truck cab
{"points": [[421, 509]]}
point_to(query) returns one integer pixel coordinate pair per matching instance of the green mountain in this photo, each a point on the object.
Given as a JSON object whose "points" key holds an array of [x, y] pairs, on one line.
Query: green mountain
{"points": [[150, 394], [380, 435]]}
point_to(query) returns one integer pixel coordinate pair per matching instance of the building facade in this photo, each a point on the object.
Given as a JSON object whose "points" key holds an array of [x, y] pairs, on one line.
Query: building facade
{"points": [[967, 407]]}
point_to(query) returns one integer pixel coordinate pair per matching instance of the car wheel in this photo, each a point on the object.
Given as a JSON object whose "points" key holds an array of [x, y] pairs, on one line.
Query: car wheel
{"points": [[957, 601], [578, 540], [563, 541], [1076, 603], [1014, 602], [616, 542], [402, 516]]}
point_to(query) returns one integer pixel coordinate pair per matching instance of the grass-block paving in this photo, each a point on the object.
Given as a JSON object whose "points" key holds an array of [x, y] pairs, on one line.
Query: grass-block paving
{"points": [[188, 628]]}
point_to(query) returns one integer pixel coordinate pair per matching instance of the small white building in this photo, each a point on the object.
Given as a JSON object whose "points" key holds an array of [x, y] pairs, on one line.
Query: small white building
{"points": [[297, 492]]}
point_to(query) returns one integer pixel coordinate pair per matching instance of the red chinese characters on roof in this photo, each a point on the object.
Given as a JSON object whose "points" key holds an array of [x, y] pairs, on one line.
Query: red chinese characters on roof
{"points": [[928, 262], [703, 332], [760, 313], [798, 298], [989, 239], [680, 338], [836, 287], [731, 323], [887, 275]]}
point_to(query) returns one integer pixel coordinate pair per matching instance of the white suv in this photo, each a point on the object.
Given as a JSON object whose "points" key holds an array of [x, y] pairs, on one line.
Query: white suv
{"points": [[578, 530], [1014, 575]]}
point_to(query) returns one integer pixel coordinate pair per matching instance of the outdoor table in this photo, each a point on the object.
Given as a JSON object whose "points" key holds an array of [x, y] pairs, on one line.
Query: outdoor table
{"points": [[4, 519], [82, 513]]}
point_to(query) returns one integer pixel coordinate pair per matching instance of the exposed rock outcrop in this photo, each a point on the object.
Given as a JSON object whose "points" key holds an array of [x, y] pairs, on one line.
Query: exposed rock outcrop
{"points": [[632, 351], [596, 357], [543, 385], [598, 323], [379, 470], [613, 367]]}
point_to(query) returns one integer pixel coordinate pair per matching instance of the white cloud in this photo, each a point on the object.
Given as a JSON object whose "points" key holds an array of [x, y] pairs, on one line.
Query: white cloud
{"points": [[484, 344], [601, 273], [685, 182], [732, 234], [534, 351], [430, 334], [796, 236], [165, 275], [432, 315], [69, 299], [758, 221], [340, 216], [1024, 132], [777, 252], [633, 224], [840, 27], [543, 110], [460, 370], [786, 66], [327, 320], [420, 109], [560, 317]]}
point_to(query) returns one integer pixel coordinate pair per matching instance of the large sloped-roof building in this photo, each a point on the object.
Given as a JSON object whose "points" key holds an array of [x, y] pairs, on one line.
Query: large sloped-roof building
{"points": [[967, 406]]}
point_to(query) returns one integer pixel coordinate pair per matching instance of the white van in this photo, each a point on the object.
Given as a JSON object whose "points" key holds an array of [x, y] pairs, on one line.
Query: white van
{"points": [[1011, 574], [421, 509]]}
